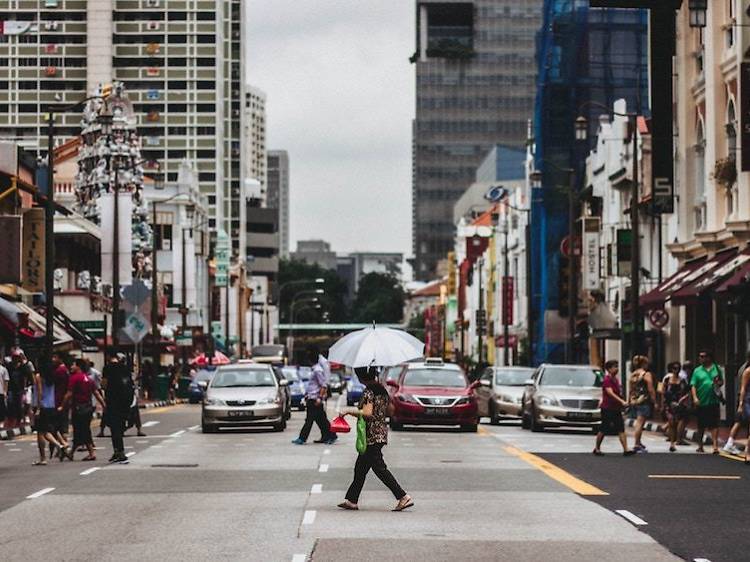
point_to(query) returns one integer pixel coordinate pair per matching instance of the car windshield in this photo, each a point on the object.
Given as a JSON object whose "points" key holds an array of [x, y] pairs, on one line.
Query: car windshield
{"points": [[512, 377], [290, 374], [335, 377], [391, 374], [567, 376], [304, 373], [268, 350], [243, 377], [434, 377], [203, 376]]}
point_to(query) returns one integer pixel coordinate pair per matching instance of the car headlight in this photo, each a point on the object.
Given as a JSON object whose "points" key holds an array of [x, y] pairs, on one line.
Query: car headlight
{"points": [[214, 402], [406, 398], [547, 401], [463, 400], [267, 401]]}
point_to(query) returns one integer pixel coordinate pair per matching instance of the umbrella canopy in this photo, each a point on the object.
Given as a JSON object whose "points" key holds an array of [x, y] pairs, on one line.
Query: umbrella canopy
{"points": [[218, 359], [378, 347]]}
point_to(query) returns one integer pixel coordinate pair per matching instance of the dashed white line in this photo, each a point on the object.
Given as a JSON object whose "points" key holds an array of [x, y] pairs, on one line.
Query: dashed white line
{"points": [[316, 489], [323, 468], [701, 560], [327, 452], [309, 517], [39, 493], [634, 519], [157, 446], [142, 441], [299, 558], [193, 427], [177, 433], [90, 470], [130, 454], [150, 423], [15, 449]]}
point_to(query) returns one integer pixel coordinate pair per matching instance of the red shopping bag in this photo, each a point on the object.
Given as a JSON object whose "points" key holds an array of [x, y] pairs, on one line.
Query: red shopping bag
{"points": [[339, 425]]}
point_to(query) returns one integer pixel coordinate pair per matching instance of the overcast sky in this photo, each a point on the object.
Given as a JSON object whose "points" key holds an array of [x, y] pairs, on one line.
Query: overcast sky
{"points": [[340, 99]]}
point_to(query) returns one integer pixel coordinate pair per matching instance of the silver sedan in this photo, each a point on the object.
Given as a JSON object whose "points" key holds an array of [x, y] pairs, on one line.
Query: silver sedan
{"points": [[242, 395], [500, 392]]}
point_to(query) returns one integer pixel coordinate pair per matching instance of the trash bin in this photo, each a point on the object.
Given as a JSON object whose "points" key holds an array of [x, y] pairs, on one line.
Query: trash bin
{"points": [[183, 387], [162, 387]]}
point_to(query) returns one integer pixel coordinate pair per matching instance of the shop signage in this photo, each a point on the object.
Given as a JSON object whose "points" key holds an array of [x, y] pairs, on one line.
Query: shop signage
{"points": [[10, 249], [222, 259], [507, 300], [32, 261], [591, 279]]}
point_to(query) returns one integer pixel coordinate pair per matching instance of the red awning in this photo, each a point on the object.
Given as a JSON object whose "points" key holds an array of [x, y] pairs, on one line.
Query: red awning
{"points": [[656, 298], [738, 271], [704, 278]]}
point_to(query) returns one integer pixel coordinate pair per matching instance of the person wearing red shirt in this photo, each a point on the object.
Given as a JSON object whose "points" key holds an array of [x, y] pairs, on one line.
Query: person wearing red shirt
{"points": [[78, 397], [60, 376], [612, 404]]}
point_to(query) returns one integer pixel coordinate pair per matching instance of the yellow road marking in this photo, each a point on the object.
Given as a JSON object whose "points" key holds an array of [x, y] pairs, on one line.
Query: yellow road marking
{"points": [[557, 473], [483, 432], [694, 477], [732, 457]]}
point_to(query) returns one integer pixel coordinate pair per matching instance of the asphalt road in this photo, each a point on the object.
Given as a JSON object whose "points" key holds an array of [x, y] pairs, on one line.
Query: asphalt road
{"points": [[252, 495]]}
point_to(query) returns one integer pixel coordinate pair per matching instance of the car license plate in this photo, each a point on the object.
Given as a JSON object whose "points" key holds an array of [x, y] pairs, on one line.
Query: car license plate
{"points": [[240, 413], [438, 412], [579, 415]]}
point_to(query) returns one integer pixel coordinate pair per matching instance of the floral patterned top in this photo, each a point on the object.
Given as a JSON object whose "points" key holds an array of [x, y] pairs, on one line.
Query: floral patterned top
{"points": [[377, 428]]}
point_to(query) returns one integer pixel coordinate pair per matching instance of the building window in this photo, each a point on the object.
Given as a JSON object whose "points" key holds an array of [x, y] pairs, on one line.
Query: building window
{"points": [[730, 24], [700, 180], [731, 128]]}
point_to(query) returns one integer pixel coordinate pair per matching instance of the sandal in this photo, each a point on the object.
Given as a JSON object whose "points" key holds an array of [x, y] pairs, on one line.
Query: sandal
{"points": [[403, 503], [346, 504]]}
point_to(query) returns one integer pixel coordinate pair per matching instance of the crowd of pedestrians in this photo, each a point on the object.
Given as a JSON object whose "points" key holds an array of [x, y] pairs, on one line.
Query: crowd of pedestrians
{"points": [[68, 391], [684, 393]]}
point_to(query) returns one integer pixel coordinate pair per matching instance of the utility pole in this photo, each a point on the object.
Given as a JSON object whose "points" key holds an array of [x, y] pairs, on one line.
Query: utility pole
{"points": [[635, 245], [49, 243], [480, 313], [506, 301], [572, 270], [155, 336]]}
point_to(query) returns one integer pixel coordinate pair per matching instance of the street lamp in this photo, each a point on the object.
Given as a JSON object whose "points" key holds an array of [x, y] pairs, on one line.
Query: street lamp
{"points": [[581, 127], [698, 13]]}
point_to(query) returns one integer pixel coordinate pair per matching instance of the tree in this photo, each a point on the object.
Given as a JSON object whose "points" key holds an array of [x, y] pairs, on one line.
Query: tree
{"points": [[332, 301], [380, 299]]}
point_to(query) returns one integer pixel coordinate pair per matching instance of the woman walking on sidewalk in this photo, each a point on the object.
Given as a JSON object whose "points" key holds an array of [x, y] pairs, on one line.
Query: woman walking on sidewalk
{"points": [[676, 395], [642, 398], [612, 405], [373, 407]]}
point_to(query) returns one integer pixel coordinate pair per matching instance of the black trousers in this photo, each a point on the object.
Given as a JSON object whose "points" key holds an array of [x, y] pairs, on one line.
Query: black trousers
{"points": [[372, 458], [316, 413], [116, 422], [82, 427]]}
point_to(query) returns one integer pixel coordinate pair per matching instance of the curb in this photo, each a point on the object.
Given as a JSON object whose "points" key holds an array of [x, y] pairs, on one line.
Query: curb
{"points": [[8, 434], [656, 427]]}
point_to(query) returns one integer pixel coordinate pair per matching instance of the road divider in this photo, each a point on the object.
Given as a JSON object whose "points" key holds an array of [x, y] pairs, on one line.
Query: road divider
{"points": [[556, 473], [634, 519]]}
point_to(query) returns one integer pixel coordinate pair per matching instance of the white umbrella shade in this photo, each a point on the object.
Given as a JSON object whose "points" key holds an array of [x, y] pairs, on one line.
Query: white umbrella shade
{"points": [[379, 347]]}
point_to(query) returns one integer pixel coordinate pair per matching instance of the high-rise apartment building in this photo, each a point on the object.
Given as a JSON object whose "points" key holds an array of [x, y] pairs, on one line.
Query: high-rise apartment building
{"points": [[256, 160], [475, 89], [278, 194], [181, 63]]}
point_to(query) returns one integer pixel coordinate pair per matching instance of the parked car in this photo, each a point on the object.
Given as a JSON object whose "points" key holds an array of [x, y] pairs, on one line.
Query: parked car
{"points": [[562, 395], [296, 387], [354, 389], [243, 395], [287, 395], [304, 372], [273, 354], [335, 384], [500, 393], [391, 374], [198, 385], [433, 393]]}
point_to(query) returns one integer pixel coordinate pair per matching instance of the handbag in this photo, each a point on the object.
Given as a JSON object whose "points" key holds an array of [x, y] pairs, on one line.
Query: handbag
{"points": [[361, 435], [340, 425]]}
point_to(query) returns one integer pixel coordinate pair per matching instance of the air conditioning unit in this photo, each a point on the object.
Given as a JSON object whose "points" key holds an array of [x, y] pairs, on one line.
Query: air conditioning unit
{"points": [[152, 25], [152, 3]]}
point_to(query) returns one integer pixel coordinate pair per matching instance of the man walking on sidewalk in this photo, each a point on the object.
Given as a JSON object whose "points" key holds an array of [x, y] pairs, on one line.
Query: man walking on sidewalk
{"points": [[706, 384], [743, 408], [315, 406], [118, 388]]}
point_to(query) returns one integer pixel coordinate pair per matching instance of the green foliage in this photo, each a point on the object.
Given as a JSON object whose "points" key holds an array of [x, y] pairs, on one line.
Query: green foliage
{"points": [[332, 301], [380, 299]]}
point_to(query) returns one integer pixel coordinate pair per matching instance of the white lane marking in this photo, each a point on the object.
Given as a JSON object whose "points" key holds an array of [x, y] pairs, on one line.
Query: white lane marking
{"points": [[177, 433], [193, 427], [327, 452], [316, 489], [15, 449], [150, 423], [142, 441], [39, 493], [634, 519], [309, 517], [701, 560], [299, 558], [157, 446], [323, 468], [90, 470], [130, 454]]}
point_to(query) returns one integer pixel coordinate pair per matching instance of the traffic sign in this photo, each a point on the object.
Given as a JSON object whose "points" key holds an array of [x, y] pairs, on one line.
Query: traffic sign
{"points": [[659, 317], [136, 293], [136, 327], [221, 253], [565, 246]]}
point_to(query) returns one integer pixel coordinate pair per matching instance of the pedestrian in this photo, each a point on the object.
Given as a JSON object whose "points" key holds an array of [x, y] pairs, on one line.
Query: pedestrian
{"points": [[315, 395], [45, 416], [20, 378], [676, 394], [4, 378], [118, 391], [642, 398], [81, 390], [134, 417], [706, 384], [60, 376], [612, 404], [743, 409], [373, 407], [174, 376]]}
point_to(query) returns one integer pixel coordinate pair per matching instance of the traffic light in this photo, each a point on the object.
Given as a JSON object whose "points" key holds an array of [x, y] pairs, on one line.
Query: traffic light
{"points": [[563, 286]]}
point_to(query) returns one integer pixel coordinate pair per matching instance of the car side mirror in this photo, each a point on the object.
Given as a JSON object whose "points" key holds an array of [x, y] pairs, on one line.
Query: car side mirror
{"points": [[529, 382], [391, 382], [283, 382]]}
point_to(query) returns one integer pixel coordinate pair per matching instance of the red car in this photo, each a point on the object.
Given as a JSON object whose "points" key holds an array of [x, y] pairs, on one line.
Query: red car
{"points": [[433, 393]]}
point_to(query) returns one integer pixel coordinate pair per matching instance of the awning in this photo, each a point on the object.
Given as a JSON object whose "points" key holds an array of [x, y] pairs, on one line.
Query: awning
{"points": [[738, 271], [656, 298], [704, 277], [38, 324]]}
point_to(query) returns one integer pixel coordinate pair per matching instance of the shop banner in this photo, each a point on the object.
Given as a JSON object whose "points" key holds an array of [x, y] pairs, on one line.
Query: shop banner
{"points": [[33, 263]]}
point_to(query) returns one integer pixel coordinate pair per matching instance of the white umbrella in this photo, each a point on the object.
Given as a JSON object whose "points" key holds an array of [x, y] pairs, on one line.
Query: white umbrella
{"points": [[378, 347]]}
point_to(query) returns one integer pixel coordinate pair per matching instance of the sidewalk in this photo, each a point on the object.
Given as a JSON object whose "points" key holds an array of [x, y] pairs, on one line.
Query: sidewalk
{"points": [[659, 426], [6, 434]]}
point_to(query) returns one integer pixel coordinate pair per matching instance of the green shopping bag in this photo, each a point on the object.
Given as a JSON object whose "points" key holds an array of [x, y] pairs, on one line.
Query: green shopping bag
{"points": [[361, 435]]}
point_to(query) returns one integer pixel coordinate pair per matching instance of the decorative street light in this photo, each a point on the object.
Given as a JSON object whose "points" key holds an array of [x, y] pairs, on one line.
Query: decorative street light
{"points": [[581, 127], [698, 13]]}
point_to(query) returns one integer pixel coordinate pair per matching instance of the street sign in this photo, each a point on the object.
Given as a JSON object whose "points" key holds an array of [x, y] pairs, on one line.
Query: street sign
{"points": [[507, 300], [221, 254], [565, 249], [136, 327], [136, 293], [659, 317]]}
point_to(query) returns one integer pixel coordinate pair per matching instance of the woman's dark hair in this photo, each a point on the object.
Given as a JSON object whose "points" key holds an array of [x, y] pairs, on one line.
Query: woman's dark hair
{"points": [[674, 366], [81, 364], [366, 374], [609, 364]]}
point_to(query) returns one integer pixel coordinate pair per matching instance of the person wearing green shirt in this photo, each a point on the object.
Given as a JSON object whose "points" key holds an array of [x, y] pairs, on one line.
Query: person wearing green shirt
{"points": [[706, 380]]}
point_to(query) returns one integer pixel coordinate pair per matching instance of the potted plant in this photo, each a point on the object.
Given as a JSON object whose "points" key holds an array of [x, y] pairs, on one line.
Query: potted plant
{"points": [[725, 172]]}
